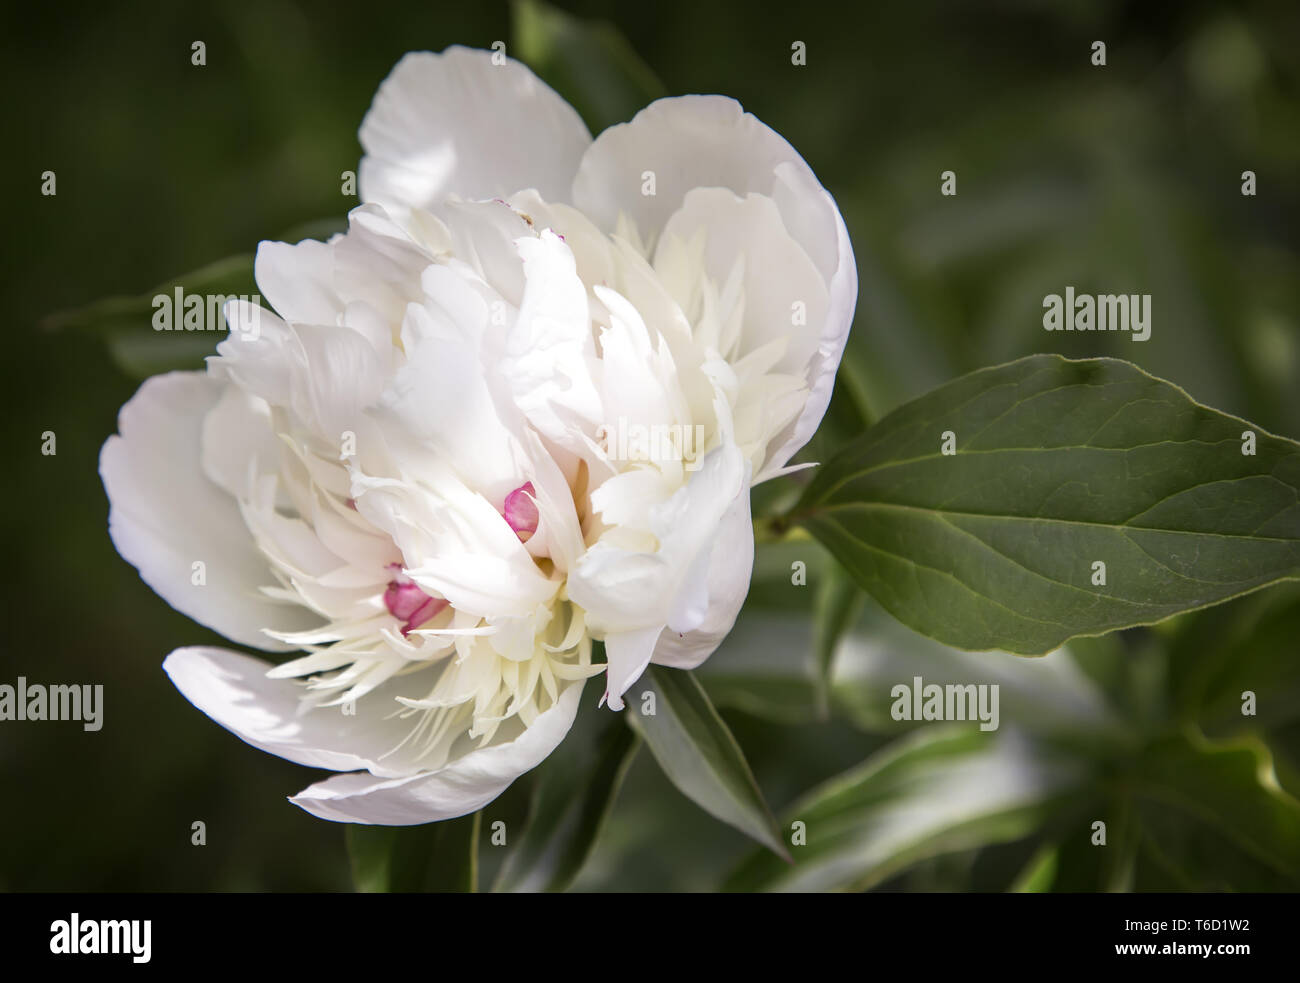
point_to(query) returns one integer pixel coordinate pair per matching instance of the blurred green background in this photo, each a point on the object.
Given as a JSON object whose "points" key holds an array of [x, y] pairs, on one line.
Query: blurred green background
{"points": [[1124, 178]]}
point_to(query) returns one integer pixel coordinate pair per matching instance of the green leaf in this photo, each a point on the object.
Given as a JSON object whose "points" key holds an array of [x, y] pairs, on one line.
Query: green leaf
{"points": [[1038, 873], [765, 667], [1043, 697], [1059, 464], [589, 63], [1247, 646], [699, 754], [233, 275], [436, 857], [135, 346], [940, 790], [139, 354], [1186, 815], [1213, 818], [574, 791], [1284, 745], [837, 607]]}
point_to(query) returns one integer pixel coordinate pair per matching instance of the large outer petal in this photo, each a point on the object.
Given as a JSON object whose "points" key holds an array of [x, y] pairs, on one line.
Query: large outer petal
{"points": [[235, 691], [463, 786], [710, 141], [165, 514], [455, 123]]}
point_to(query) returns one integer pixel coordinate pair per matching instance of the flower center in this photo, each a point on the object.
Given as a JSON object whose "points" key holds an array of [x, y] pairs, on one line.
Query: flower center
{"points": [[407, 602]]}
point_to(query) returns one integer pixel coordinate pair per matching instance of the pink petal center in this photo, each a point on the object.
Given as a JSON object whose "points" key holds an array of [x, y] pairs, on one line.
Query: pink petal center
{"points": [[407, 602], [520, 511]]}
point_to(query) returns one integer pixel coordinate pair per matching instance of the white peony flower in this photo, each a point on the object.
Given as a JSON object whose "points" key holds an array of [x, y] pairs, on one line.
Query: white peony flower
{"points": [[515, 408]]}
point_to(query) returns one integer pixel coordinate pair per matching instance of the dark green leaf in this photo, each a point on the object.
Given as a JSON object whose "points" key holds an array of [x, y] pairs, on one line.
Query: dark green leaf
{"points": [[1059, 464], [699, 754], [1185, 815], [1247, 646], [1213, 818], [436, 857]]}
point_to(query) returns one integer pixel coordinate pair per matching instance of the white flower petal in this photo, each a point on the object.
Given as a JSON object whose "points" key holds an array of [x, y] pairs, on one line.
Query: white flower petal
{"points": [[486, 585], [459, 788], [380, 262], [797, 184], [550, 352], [441, 395], [298, 280], [260, 362], [731, 564], [165, 515], [624, 588], [235, 691], [709, 141], [338, 376], [637, 598], [238, 442], [627, 654], [455, 123], [777, 273], [693, 142], [483, 236]]}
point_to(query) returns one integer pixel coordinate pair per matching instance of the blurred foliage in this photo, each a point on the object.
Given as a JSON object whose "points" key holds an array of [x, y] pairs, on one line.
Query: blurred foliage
{"points": [[440, 857], [1122, 178], [593, 65]]}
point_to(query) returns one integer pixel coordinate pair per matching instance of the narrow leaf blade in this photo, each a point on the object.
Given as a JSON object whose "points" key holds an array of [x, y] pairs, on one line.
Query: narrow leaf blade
{"points": [[699, 754], [937, 791]]}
